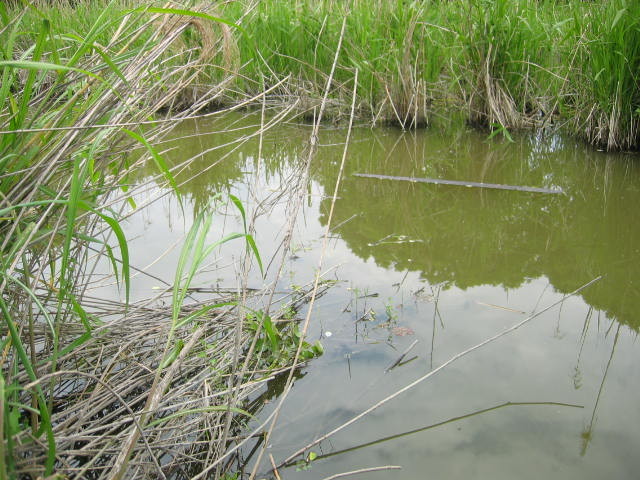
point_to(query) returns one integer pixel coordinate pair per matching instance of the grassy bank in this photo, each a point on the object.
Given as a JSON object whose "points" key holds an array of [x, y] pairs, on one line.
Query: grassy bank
{"points": [[509, 64]]}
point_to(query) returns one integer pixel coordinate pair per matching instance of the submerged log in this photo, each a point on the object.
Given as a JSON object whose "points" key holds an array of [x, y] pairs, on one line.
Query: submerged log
{"points": [[438, 181]]}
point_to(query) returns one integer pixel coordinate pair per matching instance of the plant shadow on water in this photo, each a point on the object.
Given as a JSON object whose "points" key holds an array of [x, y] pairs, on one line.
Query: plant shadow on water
{"points": [[449, 267]]}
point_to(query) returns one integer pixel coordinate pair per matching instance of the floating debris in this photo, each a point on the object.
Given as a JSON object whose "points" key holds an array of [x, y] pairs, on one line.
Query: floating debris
{"points": [[438, 181], [402, 331]]}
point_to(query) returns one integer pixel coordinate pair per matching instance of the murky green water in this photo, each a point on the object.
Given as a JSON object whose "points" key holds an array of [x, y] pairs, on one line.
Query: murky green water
{"points": [[447, 266]]}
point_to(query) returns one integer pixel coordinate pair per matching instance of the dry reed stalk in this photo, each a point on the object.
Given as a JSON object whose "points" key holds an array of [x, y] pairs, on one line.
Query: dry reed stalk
{"points": [[363, 470], [314, 291], [491, 103]]}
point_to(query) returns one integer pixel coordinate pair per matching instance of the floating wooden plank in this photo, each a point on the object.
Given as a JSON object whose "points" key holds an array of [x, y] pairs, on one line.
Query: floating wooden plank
{"points": [[438, 181]]}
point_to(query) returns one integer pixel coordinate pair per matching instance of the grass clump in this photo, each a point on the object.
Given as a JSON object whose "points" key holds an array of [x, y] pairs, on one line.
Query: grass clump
{"points": [[509, 64], [604, 101], [504, 48]]}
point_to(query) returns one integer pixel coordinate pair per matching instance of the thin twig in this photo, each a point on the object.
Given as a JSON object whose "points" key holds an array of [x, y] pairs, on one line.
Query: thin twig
{"points": [[401, 357], [363, 470], [275, 469]]}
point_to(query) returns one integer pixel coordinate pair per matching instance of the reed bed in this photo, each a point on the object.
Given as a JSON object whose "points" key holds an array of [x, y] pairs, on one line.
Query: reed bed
{"points": [[603, 101], [100, 393], [96, 389], [508, 64]]}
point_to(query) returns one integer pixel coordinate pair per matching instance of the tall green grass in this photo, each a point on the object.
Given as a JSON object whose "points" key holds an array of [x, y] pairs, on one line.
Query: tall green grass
{"points": [[604, 101], [509, 64], [505, 50], [396, 46]]}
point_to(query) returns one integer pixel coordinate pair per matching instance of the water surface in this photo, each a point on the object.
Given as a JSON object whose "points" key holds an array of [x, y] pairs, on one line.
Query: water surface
{"points": [[447, 266]]}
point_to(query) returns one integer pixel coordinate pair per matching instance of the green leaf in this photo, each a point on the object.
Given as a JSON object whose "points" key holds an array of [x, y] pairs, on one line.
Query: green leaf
{"points": [[172, 355], [188, 13], [159, 161], [31, 78], [190, 318], [36, 300], [87, 42], [270, 331], [124, 249], [248, 238], [240, 207], [31, 65], [81, 340], [217, 243], [77, 181], [254, 247], [42, 404], [7, 435], [7, 210], [317, 348]]}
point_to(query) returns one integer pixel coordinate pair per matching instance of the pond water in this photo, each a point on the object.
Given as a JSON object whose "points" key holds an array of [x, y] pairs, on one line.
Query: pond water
{"points": [[448, 267]]}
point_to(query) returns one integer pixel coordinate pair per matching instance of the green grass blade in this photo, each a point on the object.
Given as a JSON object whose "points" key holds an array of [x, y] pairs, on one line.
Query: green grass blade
{"points": [[270, 331], [159, 161], [8, 75], [100, 24], [82, 314], [248, 238], [114, 262], [77, 181], [4, 456], [31, 65], [185, 254], [240, 207], [111, 64], [172, 355], [5, 19], [195, 315], [124, 250], [222, 241], [187, 13], [36, 300], [26, 363], [31, 78], [7, 210], [81, 340], [254, 247], [20, 239]]}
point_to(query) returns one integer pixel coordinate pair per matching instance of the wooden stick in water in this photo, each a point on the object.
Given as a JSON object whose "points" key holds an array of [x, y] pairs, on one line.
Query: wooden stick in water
{"points": [[438, 181]]}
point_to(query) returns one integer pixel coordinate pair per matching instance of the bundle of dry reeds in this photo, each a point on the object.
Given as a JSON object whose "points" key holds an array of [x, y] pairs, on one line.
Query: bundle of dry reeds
{"points": [[90, 388]]}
